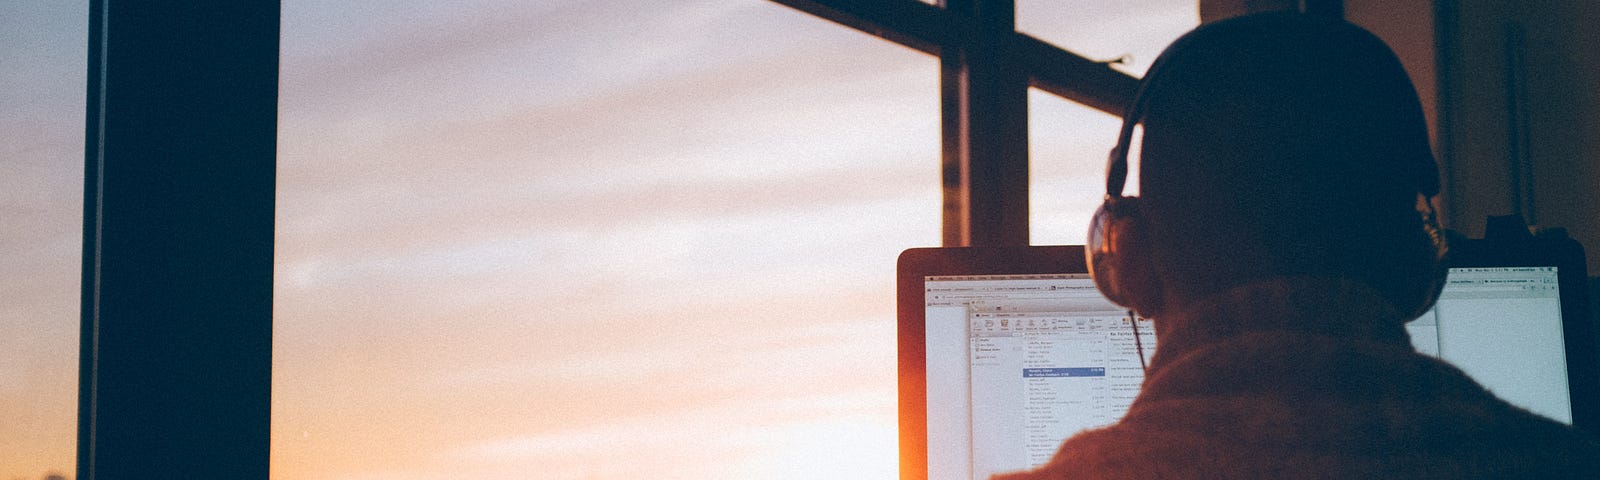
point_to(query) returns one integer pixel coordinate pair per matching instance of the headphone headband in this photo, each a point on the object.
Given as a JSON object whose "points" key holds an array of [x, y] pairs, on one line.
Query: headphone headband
{"points": [[1132, 114]]}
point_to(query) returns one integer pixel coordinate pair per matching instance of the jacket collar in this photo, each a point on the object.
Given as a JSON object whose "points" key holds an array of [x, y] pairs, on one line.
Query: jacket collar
{"points": [[1324, 306]]}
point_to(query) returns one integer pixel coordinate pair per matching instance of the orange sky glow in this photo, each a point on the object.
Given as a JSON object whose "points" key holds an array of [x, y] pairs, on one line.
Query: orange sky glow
{"points": [[559, 239]]}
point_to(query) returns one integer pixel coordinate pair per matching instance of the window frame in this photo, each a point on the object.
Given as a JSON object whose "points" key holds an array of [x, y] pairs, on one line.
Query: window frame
{"points": [[986, 67]]}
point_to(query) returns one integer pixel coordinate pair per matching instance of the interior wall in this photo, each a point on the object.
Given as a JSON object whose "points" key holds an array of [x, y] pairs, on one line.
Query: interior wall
{"points": [[1520, 114], [1564, 85], [1212, 10]]}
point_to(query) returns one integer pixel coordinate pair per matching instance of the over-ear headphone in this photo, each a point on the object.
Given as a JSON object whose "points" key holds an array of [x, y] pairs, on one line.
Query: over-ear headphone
{"points": [[1114, 234], [1118, 249]]}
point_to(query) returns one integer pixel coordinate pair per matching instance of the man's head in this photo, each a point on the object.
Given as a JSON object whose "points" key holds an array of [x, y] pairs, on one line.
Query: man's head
{"points": [[1275, 144]]}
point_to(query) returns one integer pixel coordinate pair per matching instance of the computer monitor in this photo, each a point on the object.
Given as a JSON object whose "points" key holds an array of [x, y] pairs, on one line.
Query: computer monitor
{"points": [[1503, 326], [1005, 352]]}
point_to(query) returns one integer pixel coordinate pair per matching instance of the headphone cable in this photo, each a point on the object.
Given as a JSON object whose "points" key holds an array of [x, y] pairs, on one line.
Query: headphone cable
{"points": [[1133, 320]]}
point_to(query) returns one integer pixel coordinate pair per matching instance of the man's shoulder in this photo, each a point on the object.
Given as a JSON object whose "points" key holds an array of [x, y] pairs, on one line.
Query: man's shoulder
{"points": [[1404, 416], [1522, 447]]}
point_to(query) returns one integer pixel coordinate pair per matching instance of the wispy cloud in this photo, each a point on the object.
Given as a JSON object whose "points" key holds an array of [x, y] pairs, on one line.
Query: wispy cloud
{"points": [[631, 233]]}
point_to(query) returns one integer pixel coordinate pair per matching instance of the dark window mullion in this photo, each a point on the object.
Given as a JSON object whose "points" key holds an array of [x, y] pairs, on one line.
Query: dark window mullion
{"points": [[175, 372], [992, 128]]}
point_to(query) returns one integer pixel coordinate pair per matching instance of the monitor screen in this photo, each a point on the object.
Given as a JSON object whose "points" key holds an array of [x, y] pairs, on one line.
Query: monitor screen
{"points": [[1502, 325], [1015, 364]]}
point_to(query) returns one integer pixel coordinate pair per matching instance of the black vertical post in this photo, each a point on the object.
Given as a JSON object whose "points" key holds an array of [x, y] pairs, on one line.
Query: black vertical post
{"points": [[989, 185], [953, 165], [177, 273]]}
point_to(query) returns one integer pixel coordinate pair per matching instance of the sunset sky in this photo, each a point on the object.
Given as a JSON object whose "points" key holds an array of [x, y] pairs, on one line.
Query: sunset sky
{"points": [[559, 239]]}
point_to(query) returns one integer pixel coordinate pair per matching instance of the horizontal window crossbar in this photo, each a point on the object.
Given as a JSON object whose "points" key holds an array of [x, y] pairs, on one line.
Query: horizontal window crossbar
{"points": [[931, 29]]}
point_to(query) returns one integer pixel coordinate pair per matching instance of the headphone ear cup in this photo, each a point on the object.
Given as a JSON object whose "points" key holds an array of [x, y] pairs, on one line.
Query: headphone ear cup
{"points": [[1118, 256], [1438, 248]]}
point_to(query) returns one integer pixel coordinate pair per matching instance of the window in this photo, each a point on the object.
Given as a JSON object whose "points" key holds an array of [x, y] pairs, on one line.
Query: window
{"points": [[41, 193], [1134, 32], [1069, 141], [485, 206], [593, 240], [1067, 168]]}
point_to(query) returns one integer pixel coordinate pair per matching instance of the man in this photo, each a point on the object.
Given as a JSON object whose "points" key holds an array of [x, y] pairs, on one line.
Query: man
{"points": [[1282, 237]]}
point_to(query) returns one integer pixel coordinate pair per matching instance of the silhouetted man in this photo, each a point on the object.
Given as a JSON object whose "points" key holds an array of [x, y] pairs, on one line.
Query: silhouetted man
{"points": [[1282, 236]]}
